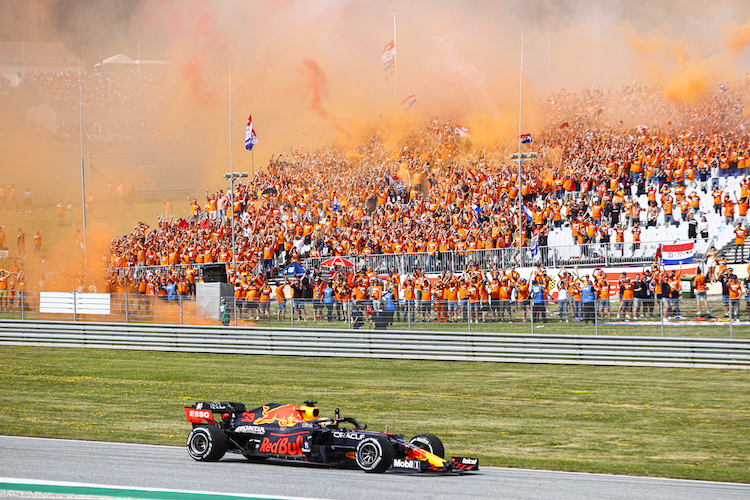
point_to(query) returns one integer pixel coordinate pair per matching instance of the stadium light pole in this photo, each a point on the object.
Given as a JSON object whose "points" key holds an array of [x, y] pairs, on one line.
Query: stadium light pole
{"points": [[521, 157], [231, 176], [520, 191]]}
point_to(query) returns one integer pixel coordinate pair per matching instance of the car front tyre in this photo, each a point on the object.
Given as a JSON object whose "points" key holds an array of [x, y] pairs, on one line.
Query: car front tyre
{"points": [[207, 443], [374, 454], [429, 442]]}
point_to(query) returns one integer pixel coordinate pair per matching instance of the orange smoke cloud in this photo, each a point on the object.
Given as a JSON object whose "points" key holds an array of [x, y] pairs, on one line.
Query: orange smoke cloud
{"points": [[317, 84], [673, 64], [737, 37], [316, 81]]}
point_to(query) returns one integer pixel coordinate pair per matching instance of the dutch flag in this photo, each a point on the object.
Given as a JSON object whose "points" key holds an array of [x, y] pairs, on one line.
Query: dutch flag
{"points": [[251, 139]]}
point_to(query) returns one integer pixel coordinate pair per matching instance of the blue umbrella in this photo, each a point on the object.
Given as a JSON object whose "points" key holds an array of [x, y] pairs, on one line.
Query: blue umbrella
{"points": [[293, 269]]}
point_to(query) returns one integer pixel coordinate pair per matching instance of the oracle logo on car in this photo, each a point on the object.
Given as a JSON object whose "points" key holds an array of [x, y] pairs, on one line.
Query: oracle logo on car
{"points": [[349, 435], [470, 461], [282, 447]]}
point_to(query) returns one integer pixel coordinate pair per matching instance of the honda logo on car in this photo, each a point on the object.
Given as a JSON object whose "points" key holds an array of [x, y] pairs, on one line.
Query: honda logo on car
{"points": [[250, 429], [406, 464]]}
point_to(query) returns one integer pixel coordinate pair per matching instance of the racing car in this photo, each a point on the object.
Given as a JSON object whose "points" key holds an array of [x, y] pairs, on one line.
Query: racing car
{"points": [[298, 433]]}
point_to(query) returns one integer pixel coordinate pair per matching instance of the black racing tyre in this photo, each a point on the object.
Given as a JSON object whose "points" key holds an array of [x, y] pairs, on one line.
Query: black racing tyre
{"points": [[429, 442], [374, 454], [207, 443]]}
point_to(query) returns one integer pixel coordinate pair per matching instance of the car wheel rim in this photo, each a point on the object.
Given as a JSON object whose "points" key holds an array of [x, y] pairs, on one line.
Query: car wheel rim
{"points": [[368, 455], [422, 446], [200, 444]]}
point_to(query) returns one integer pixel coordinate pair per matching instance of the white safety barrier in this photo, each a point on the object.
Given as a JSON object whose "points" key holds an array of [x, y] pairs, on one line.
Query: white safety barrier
{"points": [[448, 346]]}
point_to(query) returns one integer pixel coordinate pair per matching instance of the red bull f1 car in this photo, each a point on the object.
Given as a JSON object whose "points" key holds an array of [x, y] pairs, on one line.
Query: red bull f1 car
{"points": [[298, 433]]}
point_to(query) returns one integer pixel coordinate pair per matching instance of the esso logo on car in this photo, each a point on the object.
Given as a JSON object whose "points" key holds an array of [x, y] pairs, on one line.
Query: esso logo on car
{"points": [[200, 414]]}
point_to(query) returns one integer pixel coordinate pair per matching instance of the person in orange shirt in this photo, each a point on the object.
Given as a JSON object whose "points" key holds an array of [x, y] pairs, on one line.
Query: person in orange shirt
{"points": [[740, 233], [602, 284], [251, 299], [628, 288], [522, 289], [265, 300], [699, 285], [735, 291], [728, 210], [575, 297], [37, 244], [4, 289], [451, 297], [409, 288], [438, 299], [281, 300], [426, 304]]}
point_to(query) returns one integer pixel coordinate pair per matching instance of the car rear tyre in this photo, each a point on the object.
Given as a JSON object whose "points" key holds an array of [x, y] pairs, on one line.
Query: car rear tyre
{"points": [[207, 443], [374, 454], [429, 442]]}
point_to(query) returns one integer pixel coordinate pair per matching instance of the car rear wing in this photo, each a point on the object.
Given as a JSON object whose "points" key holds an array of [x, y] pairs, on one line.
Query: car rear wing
{"points": [[200, 412]]}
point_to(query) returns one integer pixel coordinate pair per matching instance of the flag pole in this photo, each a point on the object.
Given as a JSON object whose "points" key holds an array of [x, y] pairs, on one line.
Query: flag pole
{"points": [[520, 161], [83, 184], [231, 173], [395, 63]]}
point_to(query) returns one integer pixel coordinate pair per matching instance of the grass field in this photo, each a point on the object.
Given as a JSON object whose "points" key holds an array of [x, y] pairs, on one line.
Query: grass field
{"points": [[678, 423]]}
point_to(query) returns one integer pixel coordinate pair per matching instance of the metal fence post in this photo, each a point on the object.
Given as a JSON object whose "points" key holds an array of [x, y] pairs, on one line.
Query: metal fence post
{"points": [[234, 310], [180, 299], [292, 311], [75, 317], [408, 315], [731, 319], [596, 317], [661, 316], [127, 312], [531, 311], [606, 254], [23, 305]]}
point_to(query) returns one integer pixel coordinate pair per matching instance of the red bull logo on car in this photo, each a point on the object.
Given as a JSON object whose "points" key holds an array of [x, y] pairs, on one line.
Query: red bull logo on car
{"points": [[283, 446], [285, 415]]}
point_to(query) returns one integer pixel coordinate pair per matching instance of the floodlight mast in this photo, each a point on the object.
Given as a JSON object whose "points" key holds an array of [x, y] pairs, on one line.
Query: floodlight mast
{"points": [[520, 157], [231, 176]]}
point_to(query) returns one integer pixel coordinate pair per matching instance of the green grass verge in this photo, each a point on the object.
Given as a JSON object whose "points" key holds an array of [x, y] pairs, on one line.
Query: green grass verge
{"points": [[678, 423]]}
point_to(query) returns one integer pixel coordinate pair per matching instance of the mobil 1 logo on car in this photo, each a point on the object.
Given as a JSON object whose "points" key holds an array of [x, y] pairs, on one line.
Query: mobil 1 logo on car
{"points": [[402, 463]]}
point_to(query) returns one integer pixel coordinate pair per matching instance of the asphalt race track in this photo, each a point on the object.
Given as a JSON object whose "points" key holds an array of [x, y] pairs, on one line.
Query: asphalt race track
{"points": [[166, 467]]}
